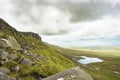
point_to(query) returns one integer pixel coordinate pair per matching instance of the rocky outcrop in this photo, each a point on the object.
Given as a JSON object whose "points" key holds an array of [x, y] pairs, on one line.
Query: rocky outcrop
{"points": [[32, 35], [10, 42], [71, 74], [5, 26]]}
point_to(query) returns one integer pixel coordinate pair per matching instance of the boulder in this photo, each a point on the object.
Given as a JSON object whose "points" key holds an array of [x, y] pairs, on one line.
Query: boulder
{"points": [[3, 44], [74, 73], [4, 70], [3, 54], [5, 77], [12, 56], [10, 42], [15, 68], [2, 62], [27, 52], [25, 61]]}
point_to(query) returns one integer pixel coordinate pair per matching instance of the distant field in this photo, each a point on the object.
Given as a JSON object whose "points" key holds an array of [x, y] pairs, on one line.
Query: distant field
{"points": [[107, 70], [102, 48]]}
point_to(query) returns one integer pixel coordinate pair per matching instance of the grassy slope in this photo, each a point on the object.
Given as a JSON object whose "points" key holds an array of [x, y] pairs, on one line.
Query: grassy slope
{"points": [[99, 71], [52, 64]]}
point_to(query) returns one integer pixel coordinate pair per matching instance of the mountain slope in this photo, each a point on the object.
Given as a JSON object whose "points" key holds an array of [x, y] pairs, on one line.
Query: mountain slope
{"points": [[26, 56]]}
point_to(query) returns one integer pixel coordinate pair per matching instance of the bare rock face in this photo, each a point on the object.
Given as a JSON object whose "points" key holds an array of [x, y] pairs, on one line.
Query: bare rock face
{"points": [[32, 35], [10, 42], [74, 73]]}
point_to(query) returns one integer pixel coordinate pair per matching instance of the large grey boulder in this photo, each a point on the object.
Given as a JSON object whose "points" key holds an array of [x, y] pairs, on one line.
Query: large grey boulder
{"points": [[25, 61], [4, 70], [74, 73]]}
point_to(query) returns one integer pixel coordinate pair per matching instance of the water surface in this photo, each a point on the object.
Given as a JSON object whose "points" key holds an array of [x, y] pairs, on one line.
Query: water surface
{"points": [[88, 60]]}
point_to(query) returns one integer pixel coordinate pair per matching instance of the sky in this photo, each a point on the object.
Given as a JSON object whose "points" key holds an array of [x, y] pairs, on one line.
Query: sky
{"points": [[67, 23]]}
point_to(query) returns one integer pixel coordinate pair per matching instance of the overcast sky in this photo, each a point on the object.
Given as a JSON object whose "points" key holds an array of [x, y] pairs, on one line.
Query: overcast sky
{"points": [[66, 22]]}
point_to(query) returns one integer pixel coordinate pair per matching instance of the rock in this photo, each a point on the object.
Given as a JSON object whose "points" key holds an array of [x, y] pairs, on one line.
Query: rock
{"points": [[12, 56], [72, 77], [5, 77], [32, 35], [60, 79], [3, 54], [25, 61], [10, 42], [27, 52], [116, 72], [11, 78], [40, 78], [15, 68], [4, 70], [3, 44], [39, 57], [2, 62], [74, 73]]}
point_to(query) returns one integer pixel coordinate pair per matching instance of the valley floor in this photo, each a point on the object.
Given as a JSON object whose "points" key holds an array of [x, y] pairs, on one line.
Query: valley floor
{"points": [[109, 69]]}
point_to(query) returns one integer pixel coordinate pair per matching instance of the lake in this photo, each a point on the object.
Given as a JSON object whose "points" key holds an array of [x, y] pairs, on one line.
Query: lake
{"points": [[88, 60]]}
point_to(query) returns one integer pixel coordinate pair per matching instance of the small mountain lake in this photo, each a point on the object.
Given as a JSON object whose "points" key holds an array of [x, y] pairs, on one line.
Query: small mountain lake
{"points": [[88, 60]]}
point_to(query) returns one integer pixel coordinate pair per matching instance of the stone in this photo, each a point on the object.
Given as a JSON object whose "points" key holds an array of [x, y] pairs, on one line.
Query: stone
{"points": [[25, 61], [12, 56], [3, 44], [4, 70], [39, 57], [2, 62], [116, 72], [74, 73], [15, 68], [10, 42], [60, 79], [27, 52], [4, 54], [5, 77]]}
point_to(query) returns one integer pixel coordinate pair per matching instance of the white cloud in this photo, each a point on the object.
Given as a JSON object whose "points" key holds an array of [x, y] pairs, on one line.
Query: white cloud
{"points": [[54, 23], [108, 27]]}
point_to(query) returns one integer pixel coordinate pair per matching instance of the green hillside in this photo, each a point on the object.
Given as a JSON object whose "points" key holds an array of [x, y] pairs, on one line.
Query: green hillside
{"points": [[33, 57]]}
